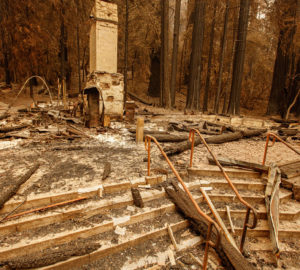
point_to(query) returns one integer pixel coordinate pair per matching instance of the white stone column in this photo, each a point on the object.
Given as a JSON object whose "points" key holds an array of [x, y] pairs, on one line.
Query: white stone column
{"points": [[104, 37]]}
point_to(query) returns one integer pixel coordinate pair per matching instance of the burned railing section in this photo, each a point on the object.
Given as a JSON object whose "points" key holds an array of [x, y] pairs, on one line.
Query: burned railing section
{"points": [[249, 207]]}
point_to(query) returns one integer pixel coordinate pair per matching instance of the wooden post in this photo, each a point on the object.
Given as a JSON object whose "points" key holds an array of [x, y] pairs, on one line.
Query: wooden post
{"points": [[106, 121], [64, 94], [140, 130]]}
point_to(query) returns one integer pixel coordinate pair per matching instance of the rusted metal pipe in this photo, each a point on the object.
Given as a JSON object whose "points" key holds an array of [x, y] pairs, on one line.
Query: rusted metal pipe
{"points": [[45, 208], [274, 139], [249, 207], [211, 222]]}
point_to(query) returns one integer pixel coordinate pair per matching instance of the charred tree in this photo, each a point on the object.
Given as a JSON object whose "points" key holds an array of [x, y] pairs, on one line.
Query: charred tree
{"points": [[210, 55], [165, 97], [175, 51], [193, 95], [221, 59], [154, 83], [285, 80], [239, 58]]}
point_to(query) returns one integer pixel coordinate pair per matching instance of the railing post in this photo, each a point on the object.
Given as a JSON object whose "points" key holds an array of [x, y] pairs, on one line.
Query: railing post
{"points": [[148, 148], [245, 230], [192, 140], [266, 149]]}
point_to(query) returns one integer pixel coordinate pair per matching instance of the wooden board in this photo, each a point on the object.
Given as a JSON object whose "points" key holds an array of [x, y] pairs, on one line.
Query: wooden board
{"points": [[290, 170]]}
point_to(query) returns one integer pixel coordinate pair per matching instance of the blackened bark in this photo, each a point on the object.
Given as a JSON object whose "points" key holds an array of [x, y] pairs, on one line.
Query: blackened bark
{"points": [[192, 101], [210, 55], [283, 77], [175, 51], [165, 96], [154, 84], [239, 57], [221, 60]]}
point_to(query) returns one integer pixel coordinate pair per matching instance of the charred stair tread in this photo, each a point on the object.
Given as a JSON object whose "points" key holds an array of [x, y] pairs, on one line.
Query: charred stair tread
{"points": [[214, 171], [239, 184], [75, 262], [286, 229], [96, 207], [19, 249], [264, 244], [38, 200]]}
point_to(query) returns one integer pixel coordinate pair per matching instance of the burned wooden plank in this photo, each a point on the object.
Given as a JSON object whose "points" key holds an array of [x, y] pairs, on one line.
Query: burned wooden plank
{"points": [[13, 189], [272, 205], [239, 163], [291, 169], [13, 128], [137, 198]]}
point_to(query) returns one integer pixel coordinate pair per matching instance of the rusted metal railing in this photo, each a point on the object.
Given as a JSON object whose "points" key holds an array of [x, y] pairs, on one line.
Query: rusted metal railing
{"points": [[274, 140], [249, 207], [211, 222]]}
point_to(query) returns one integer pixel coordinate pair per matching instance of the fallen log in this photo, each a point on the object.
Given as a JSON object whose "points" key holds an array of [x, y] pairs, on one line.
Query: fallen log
{"points": [[11, 190], [239, 163], [167, 137], [183, 128], [230, 257], [248, 133], [9, 129], [186, 145], [139, 98], [218, 139]]}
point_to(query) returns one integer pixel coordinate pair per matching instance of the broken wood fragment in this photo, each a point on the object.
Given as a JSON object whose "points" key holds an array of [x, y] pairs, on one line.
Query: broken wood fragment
{"points": [[230, 220], [196, 259], [172, 237], [139, 98], [11, 190], [77, 131], [106, 170], [9, 129], [137, 198], [239, 163]]}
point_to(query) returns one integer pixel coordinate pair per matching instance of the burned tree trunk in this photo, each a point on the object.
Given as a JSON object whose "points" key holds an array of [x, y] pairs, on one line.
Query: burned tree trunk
{"points": [[165, 97], [154, 83], [193, 95], [281, 91], [221, 60], [175, 51], [239, 57], [210, 55]]}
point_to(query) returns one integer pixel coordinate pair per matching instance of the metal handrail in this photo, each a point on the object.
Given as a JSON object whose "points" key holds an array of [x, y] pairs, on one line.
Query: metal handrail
{"points": [[211, 222], [249, 207], [274, 140]]}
